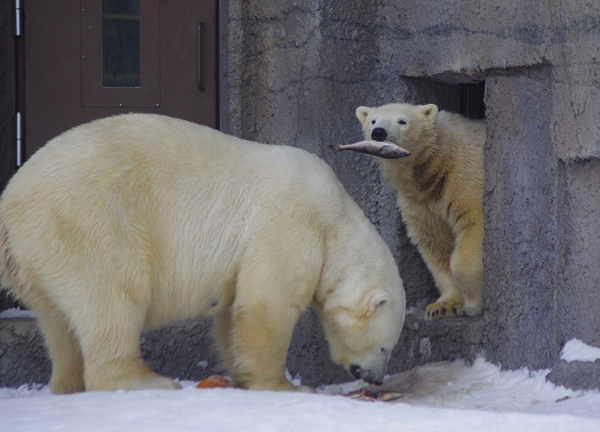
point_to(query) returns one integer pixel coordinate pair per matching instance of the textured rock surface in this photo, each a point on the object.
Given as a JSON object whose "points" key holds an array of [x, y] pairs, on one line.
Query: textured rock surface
{"points": [[23, 358], [521, 222]]}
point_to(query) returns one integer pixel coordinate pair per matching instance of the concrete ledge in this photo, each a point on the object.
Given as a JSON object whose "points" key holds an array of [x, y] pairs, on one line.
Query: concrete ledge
{"points": [[576, 375], [423, 341], [185, 350], [23, 358], [182, 350]]}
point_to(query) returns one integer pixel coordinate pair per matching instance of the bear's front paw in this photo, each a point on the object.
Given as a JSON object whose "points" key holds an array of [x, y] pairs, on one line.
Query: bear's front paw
{"points": [[443, 309]]}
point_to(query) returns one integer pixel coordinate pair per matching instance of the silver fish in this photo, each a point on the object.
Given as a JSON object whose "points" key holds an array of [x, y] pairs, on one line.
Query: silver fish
{"points": [[382, 149]]}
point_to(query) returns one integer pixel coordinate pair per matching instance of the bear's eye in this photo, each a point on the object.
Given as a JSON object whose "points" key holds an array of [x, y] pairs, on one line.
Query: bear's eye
{"points": [[402, 122], [372, 121]]}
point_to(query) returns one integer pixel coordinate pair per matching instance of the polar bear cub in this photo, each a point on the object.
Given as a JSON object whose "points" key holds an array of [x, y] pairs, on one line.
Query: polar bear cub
{"points": [[435, 161], [138, 220]]}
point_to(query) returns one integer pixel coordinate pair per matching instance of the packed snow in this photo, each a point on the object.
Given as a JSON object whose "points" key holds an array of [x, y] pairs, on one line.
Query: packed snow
{"points": [[436, 397], [576, 350]]}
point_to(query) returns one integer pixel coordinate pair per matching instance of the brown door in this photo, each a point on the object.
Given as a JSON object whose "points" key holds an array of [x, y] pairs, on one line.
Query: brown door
{"points": [[87, 59]]}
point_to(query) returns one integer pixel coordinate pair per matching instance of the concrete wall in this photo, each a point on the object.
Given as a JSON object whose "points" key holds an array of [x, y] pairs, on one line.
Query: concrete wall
{"points": [[294, 71]]}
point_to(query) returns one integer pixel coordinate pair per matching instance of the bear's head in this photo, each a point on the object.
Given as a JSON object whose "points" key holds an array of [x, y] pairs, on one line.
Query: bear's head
{"points": [[362, 318], [404, 125]]}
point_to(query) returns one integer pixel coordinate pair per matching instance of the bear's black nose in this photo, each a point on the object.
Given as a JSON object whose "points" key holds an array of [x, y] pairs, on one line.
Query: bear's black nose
{"points": [[379, 134], [355, 371]]}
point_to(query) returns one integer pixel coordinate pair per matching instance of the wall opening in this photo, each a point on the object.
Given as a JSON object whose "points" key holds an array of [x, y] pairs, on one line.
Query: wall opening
{"points": [[451, 95], [471, 100]]}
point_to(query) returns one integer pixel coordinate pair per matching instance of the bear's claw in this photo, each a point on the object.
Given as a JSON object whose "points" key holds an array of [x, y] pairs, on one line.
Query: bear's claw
{"points": [[443, 309]]}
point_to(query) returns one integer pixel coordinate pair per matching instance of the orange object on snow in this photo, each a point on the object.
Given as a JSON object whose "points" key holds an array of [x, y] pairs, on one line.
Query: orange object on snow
{"points": [[214, 381]]}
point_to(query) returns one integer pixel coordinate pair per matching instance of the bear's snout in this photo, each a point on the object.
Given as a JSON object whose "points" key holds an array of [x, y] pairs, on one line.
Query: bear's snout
{"points": [[372, 379], [379, 134]]}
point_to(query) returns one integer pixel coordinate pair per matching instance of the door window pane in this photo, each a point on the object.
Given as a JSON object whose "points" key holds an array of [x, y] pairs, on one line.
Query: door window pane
{"points": [[121, 43]]}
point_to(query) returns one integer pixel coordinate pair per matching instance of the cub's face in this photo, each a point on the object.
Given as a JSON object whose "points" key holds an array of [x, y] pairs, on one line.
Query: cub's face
{"points": [[361, 337], [402, 124]]}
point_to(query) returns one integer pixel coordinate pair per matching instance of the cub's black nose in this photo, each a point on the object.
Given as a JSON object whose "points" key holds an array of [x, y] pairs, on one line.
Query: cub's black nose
{"points": [[379, 134], [355, 371]]}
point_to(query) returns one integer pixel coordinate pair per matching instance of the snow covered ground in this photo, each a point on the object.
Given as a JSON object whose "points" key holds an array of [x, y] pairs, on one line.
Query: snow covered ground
{"points": [[437, 397]]}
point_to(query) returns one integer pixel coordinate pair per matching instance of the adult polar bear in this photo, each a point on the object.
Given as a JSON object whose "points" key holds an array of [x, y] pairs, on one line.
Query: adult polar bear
{"points": [[435, 161], [137, 220]]}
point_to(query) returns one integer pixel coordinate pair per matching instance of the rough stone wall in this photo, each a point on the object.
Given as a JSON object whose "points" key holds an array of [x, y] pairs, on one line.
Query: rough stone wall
{"points": [[522, 239]]}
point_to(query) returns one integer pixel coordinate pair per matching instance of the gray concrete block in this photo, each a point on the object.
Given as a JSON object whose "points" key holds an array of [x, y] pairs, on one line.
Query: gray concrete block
{"points": [[578, 283], [576, 375], [521, 221], [23, 357]]}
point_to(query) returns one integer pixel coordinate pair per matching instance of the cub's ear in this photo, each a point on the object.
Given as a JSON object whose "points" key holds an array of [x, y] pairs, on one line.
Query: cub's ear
{"points": [[430, 111], [362, 113], [379, 299]]}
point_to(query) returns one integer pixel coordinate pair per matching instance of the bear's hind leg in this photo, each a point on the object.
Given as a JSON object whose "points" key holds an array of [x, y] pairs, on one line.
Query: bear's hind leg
{"points": [[109, 336], [64, 351]]}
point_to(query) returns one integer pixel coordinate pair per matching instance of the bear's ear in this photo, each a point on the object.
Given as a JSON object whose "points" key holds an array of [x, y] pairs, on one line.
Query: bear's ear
{"points": [[379, 299], [362, 112], [430, 111]]}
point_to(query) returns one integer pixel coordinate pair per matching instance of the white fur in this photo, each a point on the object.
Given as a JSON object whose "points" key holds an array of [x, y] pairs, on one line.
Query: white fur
{"points": [[138, 220]]}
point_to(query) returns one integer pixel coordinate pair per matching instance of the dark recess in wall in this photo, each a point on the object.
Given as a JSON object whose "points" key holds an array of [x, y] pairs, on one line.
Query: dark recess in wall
{"points": [[471, 100]]}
